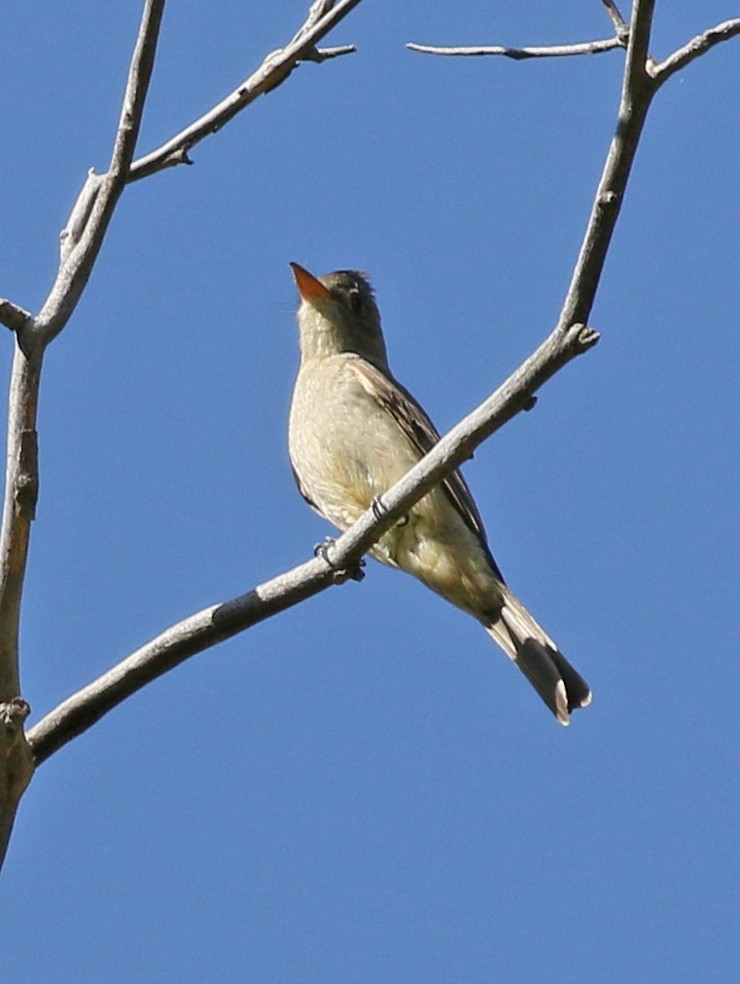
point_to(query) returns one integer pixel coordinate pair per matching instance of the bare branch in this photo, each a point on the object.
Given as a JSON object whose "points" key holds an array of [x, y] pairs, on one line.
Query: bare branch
{"points": [[186, 638], [325, 54], [137, 86], [97, 201], [638, 54], [13, 316], [621, 27], [79, 217], [319, 9], [621, 35], [21, 491], [519, 54], [219, 622], [22, 475], [695, 48], [275, 69], [637, 92]]}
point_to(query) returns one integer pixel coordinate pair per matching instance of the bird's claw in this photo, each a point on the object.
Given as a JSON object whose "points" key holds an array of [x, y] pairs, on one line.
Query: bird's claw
{"points": [[378, 507], [379, 510], [354, 572]]}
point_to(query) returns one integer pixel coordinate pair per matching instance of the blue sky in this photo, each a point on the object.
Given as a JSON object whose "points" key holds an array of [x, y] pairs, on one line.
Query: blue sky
{"points": [[363, 789]]}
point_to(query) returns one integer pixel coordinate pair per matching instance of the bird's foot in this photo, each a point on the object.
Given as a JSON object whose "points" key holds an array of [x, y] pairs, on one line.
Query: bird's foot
{"points": [[379, 510], [339, 574], [378, 507]]}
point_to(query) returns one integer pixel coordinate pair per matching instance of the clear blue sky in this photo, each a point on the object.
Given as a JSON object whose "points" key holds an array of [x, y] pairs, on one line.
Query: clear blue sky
{"points": [[363, 790]]}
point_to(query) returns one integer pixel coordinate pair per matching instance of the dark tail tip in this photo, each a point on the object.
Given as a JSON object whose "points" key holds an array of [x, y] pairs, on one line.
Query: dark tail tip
{"points": [[561, 687]]}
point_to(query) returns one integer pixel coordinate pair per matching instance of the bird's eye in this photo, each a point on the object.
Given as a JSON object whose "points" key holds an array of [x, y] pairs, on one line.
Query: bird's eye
{"points": [[355, 300]]}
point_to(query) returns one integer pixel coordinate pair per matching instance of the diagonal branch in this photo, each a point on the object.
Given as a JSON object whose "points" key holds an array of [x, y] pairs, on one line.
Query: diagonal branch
{"points": [[519, 54], [218, 622], [621, 27], [637, 92], [275, 69], [695, 48], [317, 10], [100, 194]]}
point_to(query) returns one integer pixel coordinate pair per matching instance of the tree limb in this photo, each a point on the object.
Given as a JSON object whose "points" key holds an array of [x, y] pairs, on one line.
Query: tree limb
{"points": [[83, 236], [275, 69], [695, 48], [621, 36]]}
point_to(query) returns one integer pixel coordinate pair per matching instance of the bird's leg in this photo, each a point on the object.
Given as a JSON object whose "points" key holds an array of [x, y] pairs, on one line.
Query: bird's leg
{"points": [[378, 507], [339, 574]]}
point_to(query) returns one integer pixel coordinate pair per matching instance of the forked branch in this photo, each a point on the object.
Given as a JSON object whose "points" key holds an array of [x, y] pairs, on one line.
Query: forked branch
{"points": [[275, 69], [619, 40], [22, 473], [80, 245], [696, 47]]}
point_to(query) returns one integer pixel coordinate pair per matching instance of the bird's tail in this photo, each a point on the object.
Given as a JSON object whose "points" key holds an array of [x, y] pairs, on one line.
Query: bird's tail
{"points": [[560, 686]]}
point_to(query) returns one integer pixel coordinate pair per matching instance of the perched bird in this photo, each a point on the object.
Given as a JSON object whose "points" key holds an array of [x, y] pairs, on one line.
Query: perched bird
{"points": [[355, 431]]}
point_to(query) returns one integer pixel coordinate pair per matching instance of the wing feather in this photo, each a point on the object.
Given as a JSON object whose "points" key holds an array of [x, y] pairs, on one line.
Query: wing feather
{"points": [[396, 400]]}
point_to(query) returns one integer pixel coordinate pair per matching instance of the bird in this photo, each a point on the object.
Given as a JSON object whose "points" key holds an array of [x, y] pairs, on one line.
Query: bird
{"points": [[354, 431]]}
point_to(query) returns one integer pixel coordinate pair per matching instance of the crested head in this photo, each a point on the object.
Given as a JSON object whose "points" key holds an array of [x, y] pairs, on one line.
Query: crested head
{"points": [[337, 314]]}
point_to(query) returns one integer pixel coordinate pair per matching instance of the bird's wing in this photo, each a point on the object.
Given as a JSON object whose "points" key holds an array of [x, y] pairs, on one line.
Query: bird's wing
{"points": [[304, 493], [396, 400]]}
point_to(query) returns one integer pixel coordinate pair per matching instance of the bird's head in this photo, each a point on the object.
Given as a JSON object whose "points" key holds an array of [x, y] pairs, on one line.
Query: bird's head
{"points": [[338, 313]]}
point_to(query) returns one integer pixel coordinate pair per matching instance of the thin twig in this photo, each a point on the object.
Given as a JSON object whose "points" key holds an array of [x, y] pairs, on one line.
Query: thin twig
{"points": [[325, 54], [621, 27], [637, 92], [695, 48], [519, 54], [621, 35], [275, 69], [97, 201]]}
